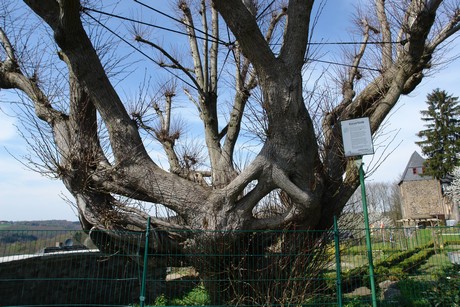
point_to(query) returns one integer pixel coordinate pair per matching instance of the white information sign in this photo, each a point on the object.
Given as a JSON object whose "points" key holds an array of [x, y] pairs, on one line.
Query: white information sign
{"points": [[357, 137]]}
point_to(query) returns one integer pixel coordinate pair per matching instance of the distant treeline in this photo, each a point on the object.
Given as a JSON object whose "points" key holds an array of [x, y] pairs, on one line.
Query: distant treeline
{"points": [[40, 225]]}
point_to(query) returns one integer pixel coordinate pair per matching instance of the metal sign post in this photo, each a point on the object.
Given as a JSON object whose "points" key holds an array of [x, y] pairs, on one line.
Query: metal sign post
{"points": [[359, 164], [144, 270], [357, 141]]}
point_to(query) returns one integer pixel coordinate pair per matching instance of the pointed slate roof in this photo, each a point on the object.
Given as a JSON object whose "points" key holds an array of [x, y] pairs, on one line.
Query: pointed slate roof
{"points": [[414, 169]]}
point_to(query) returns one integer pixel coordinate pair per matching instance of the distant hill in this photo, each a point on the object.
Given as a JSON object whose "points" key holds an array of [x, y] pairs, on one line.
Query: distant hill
{"points": [[29, 236], [40, 225]]}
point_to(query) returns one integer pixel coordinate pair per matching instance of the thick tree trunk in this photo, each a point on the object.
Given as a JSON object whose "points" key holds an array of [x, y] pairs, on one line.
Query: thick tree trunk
{"points": [[258, 268]]}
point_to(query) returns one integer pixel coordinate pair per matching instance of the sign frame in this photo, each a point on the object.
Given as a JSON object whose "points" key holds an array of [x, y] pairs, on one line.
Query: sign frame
{"points": [[357, 137]]}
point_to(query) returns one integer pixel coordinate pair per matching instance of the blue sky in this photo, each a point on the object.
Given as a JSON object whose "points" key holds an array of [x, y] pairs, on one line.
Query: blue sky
{"points": [[26, 195]]}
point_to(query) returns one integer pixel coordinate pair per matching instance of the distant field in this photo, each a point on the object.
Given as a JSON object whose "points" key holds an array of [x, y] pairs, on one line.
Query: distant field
{"points": [[32, 236]]}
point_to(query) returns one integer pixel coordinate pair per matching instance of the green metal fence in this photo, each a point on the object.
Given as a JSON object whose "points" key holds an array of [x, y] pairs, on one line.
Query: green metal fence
{"points": [[412, 267]]}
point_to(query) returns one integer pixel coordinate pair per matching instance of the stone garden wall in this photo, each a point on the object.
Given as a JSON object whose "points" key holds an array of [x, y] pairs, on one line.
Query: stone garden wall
{"points": [[75, 278]]}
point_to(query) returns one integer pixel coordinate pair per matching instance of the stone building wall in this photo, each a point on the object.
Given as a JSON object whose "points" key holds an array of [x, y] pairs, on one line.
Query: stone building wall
{"points": [[421, 198]]}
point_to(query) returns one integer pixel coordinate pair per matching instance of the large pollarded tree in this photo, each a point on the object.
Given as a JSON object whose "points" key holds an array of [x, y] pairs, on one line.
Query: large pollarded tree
{"points": [[301, 157]]}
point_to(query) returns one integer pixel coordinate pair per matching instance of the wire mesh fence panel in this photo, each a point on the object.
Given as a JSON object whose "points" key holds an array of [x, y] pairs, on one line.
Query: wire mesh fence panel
{"points": [[252, 268], [412, 266], [64, 268]]}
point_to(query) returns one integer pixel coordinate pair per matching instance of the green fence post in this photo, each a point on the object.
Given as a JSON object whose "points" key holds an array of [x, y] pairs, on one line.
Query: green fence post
{"points": [[368, 234], [144, 271], [338, 269]]}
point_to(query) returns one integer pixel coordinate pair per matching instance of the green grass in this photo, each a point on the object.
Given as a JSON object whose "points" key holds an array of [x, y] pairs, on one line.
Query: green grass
{"points": [[196, 297], [436, 263]]}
